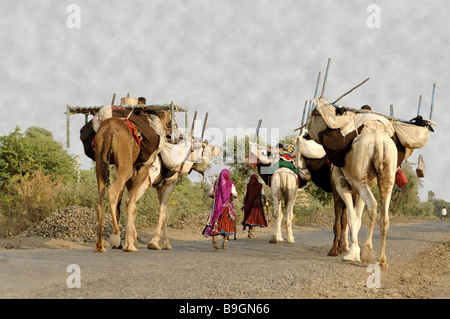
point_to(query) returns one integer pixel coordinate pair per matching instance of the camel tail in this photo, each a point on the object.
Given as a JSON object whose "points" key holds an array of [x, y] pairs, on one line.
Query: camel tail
{"points": [[378, 160], [105, 157]]}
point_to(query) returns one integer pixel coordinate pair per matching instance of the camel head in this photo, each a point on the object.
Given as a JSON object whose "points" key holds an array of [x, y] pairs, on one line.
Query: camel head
{"points": [[208, 152], [259, 155]]}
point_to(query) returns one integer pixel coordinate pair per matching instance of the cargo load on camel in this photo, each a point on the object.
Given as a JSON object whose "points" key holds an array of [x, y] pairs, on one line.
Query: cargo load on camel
{"points": [[336, 127], [153, 126]]}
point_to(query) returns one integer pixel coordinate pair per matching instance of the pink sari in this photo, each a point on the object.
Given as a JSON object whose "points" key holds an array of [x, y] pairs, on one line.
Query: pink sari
{"points": [[221, 202]]}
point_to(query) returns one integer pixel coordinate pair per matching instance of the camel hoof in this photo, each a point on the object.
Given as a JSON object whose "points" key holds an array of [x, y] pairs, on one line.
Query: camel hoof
{"points": [[290, 241], [351, 256], [367, 255], [153, 246], [333, 253], [114, 241], [100, 250], [273, 240], [383, 264], [167, 247], [130, 249]]}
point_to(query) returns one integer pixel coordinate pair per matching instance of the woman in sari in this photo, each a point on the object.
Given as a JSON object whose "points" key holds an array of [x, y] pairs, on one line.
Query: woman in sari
{"points": [[221, 220], [253, 206]]}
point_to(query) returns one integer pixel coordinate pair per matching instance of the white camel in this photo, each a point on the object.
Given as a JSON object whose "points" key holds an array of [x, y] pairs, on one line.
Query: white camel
{"points": [[371, 160], [284, 185], [141, 183]]}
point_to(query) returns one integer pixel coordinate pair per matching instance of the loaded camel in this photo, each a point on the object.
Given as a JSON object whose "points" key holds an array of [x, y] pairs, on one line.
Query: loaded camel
{"points": [[312, 165], [134, 174], [114, 144], [372, 159], [367, 149], [141, 183]]}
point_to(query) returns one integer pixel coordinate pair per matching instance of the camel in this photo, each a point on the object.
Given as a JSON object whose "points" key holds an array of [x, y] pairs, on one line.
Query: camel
{"points": [[284, 184], [117, 143], [114, 144], [320, 177], [284, 187], [141, 183], [372, 159]]}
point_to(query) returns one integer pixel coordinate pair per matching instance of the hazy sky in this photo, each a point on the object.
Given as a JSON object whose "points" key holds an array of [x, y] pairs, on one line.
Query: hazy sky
{"points": [[239, 60]]}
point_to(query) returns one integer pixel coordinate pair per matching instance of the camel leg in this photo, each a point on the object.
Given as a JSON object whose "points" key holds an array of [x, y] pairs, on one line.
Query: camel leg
{"points": [[101, 191], [385, 198], [338, 212], [276, 235], [165, 243], [290, 216], [343, 240], [163, 196], [140, 184], [101, 182], [354, 221], [115, 193]]}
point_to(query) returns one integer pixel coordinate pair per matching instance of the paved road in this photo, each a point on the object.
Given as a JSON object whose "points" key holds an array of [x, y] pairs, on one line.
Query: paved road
{"points": [[248, 269]]}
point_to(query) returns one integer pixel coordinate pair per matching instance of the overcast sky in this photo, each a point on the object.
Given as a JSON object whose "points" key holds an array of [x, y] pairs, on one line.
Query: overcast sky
{"points": [[239, 60]]}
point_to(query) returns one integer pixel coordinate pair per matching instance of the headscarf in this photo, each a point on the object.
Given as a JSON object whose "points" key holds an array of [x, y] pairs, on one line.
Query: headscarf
{"points": [[253, 189], [222, 194]]}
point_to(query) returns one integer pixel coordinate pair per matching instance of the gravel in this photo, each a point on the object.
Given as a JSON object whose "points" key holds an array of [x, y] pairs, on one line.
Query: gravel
{"points": [[74, 223]]}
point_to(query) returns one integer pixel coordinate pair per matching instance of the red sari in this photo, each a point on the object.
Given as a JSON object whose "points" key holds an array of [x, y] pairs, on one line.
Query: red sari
{"points": [[253, 205]]}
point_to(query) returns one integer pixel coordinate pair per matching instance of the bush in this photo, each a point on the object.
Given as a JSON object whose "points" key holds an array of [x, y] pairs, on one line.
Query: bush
{"points": [[26, 200]]}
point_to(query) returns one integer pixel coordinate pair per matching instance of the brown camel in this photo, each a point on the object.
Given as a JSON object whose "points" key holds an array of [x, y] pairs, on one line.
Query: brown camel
{"points": [[114, 144]]}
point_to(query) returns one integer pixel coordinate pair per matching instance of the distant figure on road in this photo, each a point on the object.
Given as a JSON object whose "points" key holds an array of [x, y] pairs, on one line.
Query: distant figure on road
{"points": [[444, 213]]}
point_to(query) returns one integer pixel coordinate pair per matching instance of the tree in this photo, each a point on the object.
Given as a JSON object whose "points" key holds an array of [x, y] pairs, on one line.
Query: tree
{"points": [[406, 200], [26, 153], [431, 196], [235, 151]]}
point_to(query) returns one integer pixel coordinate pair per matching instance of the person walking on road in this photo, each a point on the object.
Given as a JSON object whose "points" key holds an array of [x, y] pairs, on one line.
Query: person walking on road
{"points": [[222, 219], [254, 199]]}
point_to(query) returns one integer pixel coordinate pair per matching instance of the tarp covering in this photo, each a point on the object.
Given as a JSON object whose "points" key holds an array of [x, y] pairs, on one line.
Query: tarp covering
{"points": [[173, 155], [336, 130], [411, 136], [149, 128]]}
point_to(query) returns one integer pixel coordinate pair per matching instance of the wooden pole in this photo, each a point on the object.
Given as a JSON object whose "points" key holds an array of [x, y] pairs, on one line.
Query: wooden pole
{"points": [[351, 90], [432, 101], [204, 125], [420, 104], [172, 122], [317, 85], [192, 136], [303, 117], [257, 131], [193, 125], [325, 79], [186, 127], [113, 99], [392, 109], [67, 126]]}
